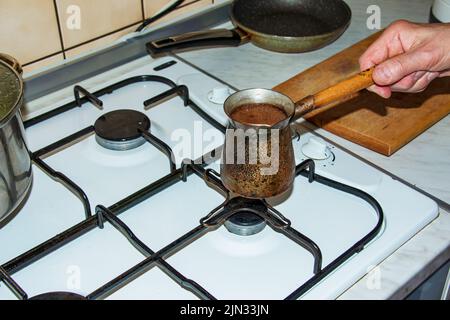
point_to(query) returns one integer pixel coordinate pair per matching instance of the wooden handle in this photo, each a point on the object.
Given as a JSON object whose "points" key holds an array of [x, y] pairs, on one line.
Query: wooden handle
{"points": [[335, 95], [344, 89]]}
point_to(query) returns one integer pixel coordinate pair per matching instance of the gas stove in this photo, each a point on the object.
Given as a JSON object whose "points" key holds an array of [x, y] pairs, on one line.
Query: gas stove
{"points": [[127, 203]]}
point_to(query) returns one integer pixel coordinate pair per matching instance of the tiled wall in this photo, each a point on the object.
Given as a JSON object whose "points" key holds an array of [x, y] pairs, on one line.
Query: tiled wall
{"points": [[41, 32]]}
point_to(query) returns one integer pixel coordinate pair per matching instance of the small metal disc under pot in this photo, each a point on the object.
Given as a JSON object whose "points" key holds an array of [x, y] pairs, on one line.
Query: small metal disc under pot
{"points": [[244, 221], [121, 129], [245, 224]]}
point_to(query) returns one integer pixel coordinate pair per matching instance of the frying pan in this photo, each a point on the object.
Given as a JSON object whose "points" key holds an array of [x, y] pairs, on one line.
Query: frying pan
{"points": [[288, 26]]}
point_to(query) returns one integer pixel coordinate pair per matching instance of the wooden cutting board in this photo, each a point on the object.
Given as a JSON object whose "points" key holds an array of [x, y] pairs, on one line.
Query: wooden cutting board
{"points": [[369, 120]]}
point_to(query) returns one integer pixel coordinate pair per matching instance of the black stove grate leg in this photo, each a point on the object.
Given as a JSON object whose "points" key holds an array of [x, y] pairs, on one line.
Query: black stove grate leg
{"points": [[12, 285], [188, 284], [77, 90], [181, 91], [357, 247], [275, 220], [89, 97], [22, 261], [36, 157], [148, 263], [161, 146], [210, 176]]}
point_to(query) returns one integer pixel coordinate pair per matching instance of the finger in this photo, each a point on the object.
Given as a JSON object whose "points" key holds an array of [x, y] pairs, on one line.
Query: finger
{"points": [[384, 92], [407, 82], [376, 53], [372, 88], [395, 69], [445, 73], [386, 46], [422, 83]]}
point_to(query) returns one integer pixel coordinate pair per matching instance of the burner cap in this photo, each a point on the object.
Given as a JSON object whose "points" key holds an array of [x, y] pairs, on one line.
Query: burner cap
{"points": [[244, 222], [119, 130], [58, 296]]}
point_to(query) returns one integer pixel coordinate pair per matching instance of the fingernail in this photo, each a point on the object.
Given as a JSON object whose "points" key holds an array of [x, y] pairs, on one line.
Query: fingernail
{"points": [[371, 88], [378, 91]]}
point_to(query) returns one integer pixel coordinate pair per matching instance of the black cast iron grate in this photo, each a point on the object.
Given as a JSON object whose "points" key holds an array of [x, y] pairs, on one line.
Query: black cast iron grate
{"points": [[211, 222]]}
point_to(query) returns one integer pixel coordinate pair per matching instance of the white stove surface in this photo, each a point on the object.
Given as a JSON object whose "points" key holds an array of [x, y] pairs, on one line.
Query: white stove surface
{"points": [[263, 266]]}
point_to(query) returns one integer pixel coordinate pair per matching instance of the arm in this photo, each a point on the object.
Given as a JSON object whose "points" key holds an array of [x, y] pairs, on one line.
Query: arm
{"points": [[408, 57]]}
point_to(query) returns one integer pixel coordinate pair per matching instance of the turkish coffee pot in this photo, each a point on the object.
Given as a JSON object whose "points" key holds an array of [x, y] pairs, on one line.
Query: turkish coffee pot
{"points": [[258, 158]]}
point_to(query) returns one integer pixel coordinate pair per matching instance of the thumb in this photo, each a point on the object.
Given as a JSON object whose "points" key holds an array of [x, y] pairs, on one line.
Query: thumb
{"points": [[398, 67]]}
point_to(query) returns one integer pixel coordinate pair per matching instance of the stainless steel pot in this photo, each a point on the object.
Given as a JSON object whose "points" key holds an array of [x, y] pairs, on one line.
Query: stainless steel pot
{"points": [[15, 161]]}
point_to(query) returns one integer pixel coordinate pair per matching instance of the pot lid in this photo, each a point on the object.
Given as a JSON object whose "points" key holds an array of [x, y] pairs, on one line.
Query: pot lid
{"points": [[10, 91]]}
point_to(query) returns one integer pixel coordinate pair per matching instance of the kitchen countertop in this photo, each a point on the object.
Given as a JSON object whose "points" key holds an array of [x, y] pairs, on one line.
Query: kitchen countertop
{"points": [[423, 163]]}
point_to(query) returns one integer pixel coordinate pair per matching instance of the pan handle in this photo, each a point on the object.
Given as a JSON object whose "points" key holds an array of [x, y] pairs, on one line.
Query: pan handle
{"points": [[198, 39], [336, 94]]}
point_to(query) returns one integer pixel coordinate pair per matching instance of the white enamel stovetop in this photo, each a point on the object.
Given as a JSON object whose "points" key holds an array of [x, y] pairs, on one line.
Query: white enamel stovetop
{"points": [[264, 266]]}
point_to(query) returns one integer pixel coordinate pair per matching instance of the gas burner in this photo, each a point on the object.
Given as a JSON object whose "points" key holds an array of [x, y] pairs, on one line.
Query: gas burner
{"points": [[58, 296], [121, 129], [245, 222]]}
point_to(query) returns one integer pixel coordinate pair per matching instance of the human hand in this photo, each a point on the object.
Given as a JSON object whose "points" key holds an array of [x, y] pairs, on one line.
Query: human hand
{"points": [[408, 57]]}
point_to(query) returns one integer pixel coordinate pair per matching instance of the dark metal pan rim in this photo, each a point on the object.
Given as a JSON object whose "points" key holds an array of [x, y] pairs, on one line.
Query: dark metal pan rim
{"points": [[252, 32], [287, 38]]}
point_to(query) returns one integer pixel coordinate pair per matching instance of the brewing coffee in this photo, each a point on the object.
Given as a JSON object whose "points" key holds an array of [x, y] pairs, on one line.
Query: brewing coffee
{"points": [[258, 113]]}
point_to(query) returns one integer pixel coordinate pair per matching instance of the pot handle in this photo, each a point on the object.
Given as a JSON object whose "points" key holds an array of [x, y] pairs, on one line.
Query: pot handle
{"points": [[336, 94], [198, 39], [12, 62]]}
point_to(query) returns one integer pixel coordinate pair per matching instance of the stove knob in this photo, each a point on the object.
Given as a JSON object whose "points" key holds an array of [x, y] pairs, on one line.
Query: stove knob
{"points": [[219, 95], [316, 149]]}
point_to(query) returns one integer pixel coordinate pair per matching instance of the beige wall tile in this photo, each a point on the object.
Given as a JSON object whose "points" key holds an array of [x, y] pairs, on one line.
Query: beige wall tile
{"points": [[43, 63], [98, 17], [151, 8], [28, 29], [102, 42]]}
